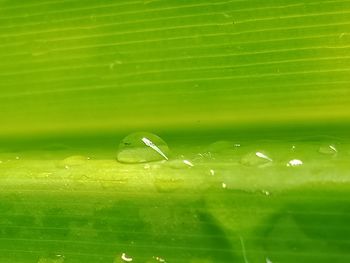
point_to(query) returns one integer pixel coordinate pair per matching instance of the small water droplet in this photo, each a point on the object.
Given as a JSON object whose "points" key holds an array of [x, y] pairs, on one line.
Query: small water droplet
{"points": [[52, 259], [159, 259], [179, 164], [265, 192], [328, 149], [126, 258], [17, 158], [142, 147], [187, 162], [71, 161], [224, 185], [294, 163], [259, 159], [114, 64], [342, 35], [212, 172]]}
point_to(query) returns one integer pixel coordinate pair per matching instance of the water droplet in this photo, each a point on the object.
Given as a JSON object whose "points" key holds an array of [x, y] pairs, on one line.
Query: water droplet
{"points": [[328, 149], [17, 158], [294, 162], [268, 260], [259, 159], [159, 259], [342, 35], [187, 162], [224, 185], [114, 64], [179, 164], [212, 172], [52, 259], [126, 258], [265, 192], [142, 147]]}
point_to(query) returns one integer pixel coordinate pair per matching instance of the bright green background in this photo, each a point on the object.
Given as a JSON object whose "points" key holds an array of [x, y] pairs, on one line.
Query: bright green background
{"points": [[99, 66]]}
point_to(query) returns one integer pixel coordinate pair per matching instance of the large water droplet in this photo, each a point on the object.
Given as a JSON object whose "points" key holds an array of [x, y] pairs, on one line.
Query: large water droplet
{"points": [[259, 159], [141, 147], [328, 149]]}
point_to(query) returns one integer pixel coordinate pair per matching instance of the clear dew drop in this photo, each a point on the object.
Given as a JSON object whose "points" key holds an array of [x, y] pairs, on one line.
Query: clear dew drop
{"points": [[125, 258], [159, 259], [294, 163], [328, 149], [188, 163], [258, 159], [179, 164], [224, 186], [265, 192], [268, 260], [142, 147]]}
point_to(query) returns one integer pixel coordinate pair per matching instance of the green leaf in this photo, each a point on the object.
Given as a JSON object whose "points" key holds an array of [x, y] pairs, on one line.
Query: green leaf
{"points": [[240, 90]]}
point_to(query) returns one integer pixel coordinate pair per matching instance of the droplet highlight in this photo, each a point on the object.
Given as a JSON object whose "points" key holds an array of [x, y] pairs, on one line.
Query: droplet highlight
{"points": [[159, 259], [142, 147], [328, 149], [126, 258], [179, 164], [294, 163], [259, 159]]}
